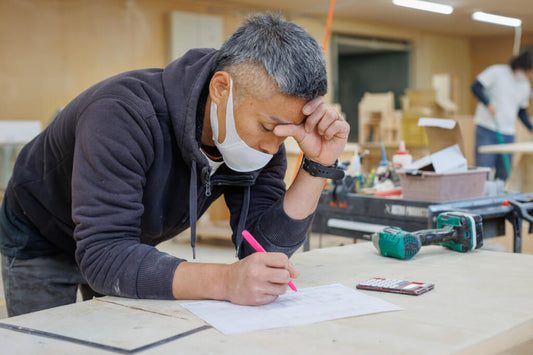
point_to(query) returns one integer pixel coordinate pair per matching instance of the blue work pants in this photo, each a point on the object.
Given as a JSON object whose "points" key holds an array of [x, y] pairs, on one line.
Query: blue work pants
{"points": [[43, 282], [485, 136]]}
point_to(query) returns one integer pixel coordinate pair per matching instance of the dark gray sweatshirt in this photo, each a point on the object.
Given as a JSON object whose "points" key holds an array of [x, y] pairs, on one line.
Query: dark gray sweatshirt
{"points": [[120, 170]]}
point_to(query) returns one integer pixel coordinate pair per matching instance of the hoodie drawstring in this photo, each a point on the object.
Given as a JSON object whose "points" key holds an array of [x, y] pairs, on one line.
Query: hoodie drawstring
{"points": [[242, 219], [193, 208]]}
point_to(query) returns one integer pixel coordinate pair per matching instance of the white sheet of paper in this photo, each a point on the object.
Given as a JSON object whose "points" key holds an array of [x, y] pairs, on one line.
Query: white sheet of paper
{"points": [[449, 160], [308, 305]]}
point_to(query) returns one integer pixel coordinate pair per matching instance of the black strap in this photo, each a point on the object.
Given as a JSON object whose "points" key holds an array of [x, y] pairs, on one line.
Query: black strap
{"points": [[316, 169]]}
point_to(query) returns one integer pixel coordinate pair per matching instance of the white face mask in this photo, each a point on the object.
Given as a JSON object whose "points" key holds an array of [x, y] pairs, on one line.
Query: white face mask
{"points": [[236, 153]]}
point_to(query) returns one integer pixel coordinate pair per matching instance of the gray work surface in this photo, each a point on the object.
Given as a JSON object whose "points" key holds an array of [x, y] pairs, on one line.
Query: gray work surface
{"points": [[482, 304]]}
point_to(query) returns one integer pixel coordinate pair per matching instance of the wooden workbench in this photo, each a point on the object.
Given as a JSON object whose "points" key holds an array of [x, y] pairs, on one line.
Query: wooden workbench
{"points": [[520, 179], [482, 304]]}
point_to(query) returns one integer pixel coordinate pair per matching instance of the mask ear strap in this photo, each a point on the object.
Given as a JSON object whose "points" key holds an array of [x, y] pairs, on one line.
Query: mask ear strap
{"points": [[214, 115], [214, 120], [231, 130]]}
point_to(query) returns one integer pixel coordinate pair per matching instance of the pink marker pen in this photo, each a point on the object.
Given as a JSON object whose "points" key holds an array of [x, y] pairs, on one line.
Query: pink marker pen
{"points": [[260, 249]]}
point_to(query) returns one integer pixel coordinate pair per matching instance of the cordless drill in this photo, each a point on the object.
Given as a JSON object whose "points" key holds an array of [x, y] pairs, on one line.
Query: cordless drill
{"points": [[455, 230]]}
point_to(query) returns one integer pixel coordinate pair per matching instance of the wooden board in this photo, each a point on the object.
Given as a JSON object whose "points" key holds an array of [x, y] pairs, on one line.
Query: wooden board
{"points": [[480, 305]]}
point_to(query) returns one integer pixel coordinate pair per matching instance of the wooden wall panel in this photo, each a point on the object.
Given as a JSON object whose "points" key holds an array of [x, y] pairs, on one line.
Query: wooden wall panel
{"points": [[54, 49], [486, 51]]}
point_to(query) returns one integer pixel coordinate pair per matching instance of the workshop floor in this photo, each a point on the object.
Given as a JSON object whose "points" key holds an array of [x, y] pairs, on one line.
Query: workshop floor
{"points": [[212, 250]]}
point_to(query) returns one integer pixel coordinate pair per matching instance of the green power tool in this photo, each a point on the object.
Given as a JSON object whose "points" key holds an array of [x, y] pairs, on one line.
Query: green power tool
{"points": [[455, 230]]}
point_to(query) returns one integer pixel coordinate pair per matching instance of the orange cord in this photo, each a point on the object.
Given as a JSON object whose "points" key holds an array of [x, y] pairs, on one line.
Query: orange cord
{"points": [[324, 46], [328, 25]]}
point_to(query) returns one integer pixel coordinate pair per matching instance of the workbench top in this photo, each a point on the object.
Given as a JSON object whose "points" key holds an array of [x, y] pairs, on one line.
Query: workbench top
{"points": [[482, 304], [520, 179], [519, 147]]}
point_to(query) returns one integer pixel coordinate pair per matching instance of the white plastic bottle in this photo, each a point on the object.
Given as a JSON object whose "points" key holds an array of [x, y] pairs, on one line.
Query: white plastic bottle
{"points": [[402, 158], [356, 163]]}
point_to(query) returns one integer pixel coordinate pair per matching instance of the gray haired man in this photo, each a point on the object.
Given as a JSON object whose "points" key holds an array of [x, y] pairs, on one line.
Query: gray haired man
{"points": [[135, 159]]}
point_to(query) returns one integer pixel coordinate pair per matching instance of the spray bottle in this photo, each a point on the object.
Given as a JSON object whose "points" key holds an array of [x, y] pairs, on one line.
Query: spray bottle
{"points": [[356, 168], [383, 168], [356, 163]]}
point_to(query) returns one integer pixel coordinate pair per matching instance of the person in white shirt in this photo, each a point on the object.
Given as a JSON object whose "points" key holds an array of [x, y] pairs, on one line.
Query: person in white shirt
{"points": [[503, 92]]}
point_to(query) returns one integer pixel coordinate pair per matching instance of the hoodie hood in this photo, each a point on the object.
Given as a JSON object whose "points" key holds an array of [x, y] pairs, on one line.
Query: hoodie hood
{"points": [[186, 78], [183, 83]]}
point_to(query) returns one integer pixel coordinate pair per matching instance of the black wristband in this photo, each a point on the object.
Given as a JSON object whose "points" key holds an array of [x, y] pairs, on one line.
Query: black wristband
{"points": [[316, 169]]}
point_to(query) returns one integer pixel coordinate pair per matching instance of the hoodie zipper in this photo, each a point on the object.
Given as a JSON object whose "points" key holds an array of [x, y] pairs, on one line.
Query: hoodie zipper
{"points": [[229, 180], [207, 179], [208, 187], [233, 181]]}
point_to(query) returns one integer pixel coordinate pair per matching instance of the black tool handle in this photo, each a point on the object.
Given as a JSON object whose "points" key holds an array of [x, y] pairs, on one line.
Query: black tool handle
{"points": [[434, 236]]}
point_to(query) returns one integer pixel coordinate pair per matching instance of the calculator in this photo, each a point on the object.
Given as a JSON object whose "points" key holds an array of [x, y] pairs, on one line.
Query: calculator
{"points": [[396, 286]]}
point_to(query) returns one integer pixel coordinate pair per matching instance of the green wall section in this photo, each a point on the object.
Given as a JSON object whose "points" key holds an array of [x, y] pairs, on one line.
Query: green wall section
{"points": [[375, 72]]}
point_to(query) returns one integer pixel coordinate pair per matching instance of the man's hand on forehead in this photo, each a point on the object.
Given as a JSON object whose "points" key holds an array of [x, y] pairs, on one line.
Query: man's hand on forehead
{"points": [[322, 134], [321, 117]]}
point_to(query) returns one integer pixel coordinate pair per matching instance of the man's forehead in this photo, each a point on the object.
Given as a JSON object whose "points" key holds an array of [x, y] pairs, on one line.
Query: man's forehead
{"points": [[286, 109], [289, 114], [286, 121]]}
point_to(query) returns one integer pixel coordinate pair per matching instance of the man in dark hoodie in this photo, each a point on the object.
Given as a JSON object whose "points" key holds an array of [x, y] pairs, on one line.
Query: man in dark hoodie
{"points": [[135, 159]]}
